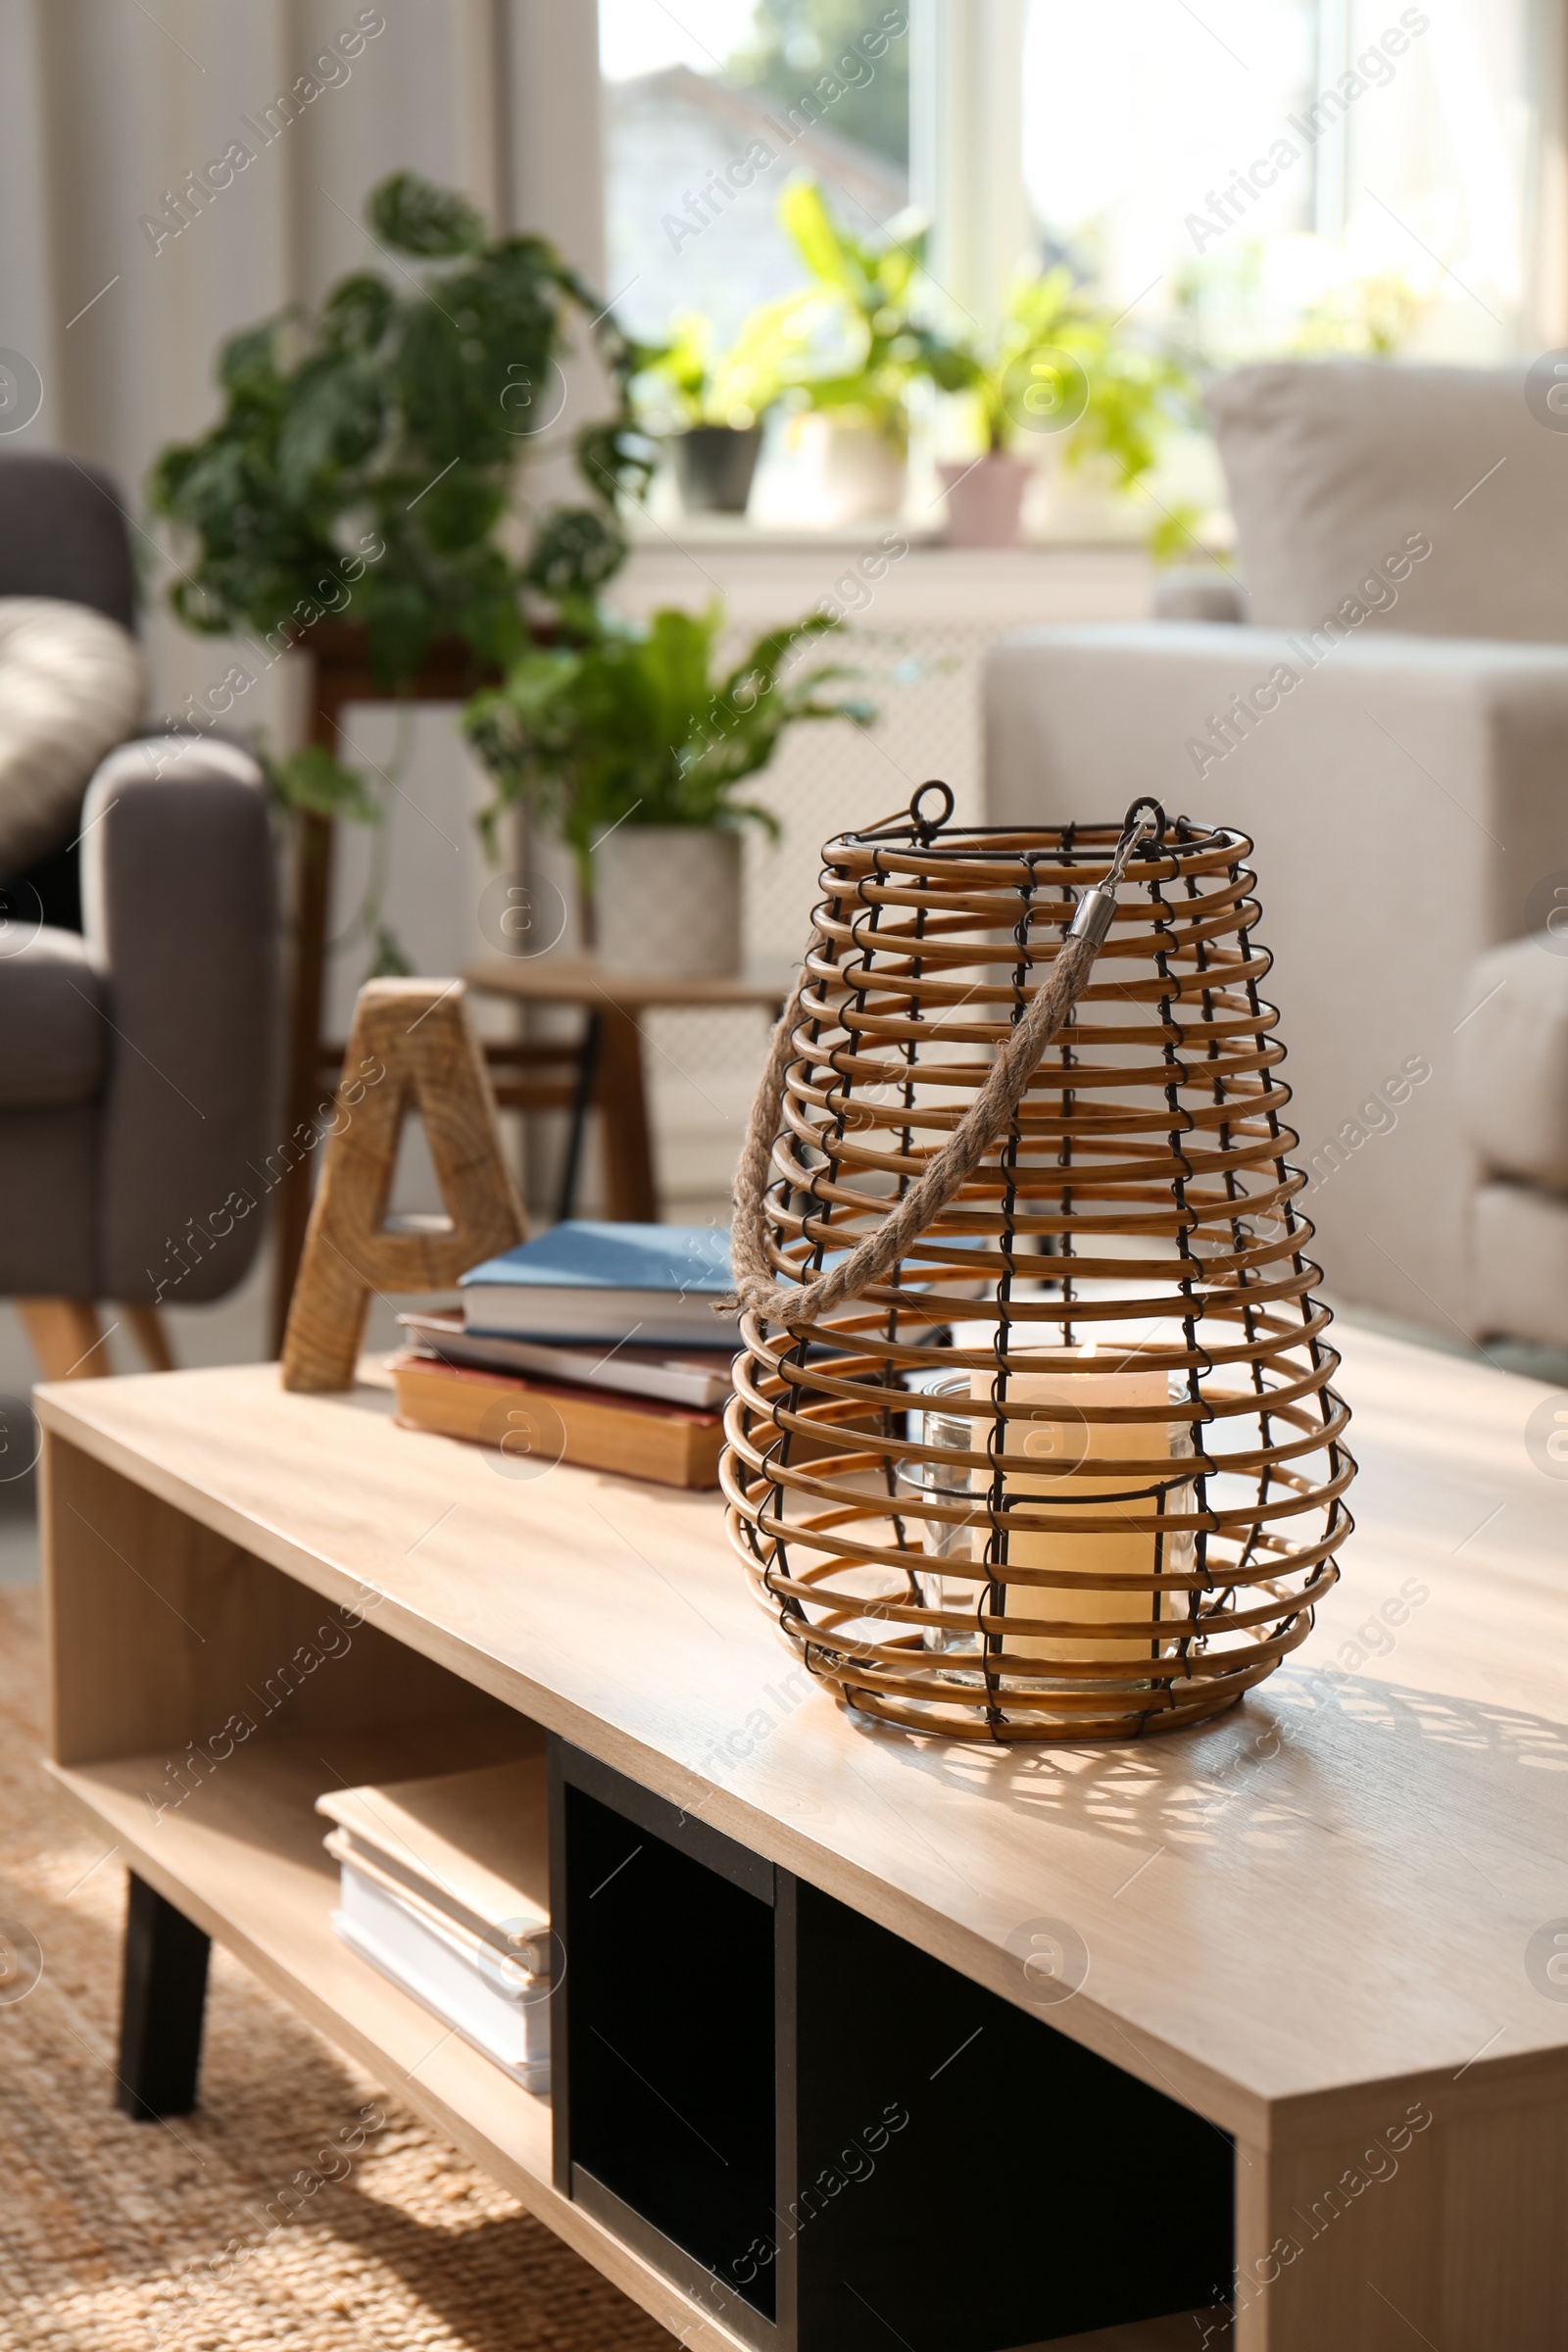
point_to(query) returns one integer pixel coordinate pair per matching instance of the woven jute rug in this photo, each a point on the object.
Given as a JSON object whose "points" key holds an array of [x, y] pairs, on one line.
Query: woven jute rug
{"points": [[118, 2236]]}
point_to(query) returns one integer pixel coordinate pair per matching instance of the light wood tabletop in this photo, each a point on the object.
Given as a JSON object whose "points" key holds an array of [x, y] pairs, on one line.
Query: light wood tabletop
{"points": [[1306, 1920], [582, 980]]}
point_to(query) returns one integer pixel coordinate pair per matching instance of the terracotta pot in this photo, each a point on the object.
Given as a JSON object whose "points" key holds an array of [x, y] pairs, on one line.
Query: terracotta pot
{"points": [[667, 900], [714, 465], [982, 501]]}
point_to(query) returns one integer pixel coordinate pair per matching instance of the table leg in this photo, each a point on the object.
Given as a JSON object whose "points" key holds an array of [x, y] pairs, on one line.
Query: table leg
{"points": [[65, 1337], [305, 1096], [582, 1103], [162, 2003], [151, 1334], [623, 1102]]}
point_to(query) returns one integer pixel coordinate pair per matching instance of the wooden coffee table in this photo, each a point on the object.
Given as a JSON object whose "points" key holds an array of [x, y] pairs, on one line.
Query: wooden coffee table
{"points": [[973, 2042]]}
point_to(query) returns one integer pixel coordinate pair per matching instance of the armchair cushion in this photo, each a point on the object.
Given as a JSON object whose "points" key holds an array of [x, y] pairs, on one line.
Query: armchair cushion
{"points": [[52, 1026], [48, 1160], [1512, 1064], [1333, 466], [71, 686]]}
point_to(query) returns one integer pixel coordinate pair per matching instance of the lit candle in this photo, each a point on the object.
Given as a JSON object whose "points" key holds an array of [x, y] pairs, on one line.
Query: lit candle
{"points": [[1069, 1447]]}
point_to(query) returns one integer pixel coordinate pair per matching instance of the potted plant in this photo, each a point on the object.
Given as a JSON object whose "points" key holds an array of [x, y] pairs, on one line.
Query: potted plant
{"points": [[859, 346], [354, 496], [715, 405], [1058, 375], [634, 751], [368, 454]]}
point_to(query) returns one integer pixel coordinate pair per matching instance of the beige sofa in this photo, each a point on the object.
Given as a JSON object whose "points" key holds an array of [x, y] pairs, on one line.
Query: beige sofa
{"points": [[1390, 723]]}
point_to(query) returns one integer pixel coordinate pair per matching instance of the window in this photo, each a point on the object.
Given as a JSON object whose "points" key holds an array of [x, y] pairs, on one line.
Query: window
{"points": [[1138, 115], [706, 120], [1292, 175], [1262, 174]]}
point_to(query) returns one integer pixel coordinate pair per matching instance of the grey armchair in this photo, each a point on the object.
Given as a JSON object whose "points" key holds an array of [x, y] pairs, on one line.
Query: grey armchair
{"points": [[136, 1054], [63, 535], [1391, 729]]}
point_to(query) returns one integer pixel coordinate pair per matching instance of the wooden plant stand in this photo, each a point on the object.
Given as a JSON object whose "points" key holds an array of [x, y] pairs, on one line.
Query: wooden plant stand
{"points": [[857, 2041], [602, 1069], [527, 1073]]}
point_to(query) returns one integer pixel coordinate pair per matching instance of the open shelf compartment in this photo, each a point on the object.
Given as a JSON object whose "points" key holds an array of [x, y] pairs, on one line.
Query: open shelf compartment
{"points": [[161, 1633], [826, 2136]]}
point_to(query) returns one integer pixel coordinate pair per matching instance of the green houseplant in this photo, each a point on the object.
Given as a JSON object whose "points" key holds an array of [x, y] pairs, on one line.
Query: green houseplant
{"points": [[1058, 373], [854, 342], [713, 404], [634, 749], [368, 456]]}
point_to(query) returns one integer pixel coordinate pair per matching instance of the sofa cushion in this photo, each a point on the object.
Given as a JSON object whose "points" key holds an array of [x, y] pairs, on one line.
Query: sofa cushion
{"points": [[1380, 789], [1512, 1059], [1521, 1265], [1339, 469], [52, 1027], [1197, 592], [71, 686]]}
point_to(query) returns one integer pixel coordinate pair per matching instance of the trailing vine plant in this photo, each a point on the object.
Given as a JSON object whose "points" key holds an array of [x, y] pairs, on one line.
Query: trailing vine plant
{"points": [[396, 417]]}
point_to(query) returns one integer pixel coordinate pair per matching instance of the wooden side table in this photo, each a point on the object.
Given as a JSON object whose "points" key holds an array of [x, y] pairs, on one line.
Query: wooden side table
{"points": [[612, 1048], [853, 2038]]}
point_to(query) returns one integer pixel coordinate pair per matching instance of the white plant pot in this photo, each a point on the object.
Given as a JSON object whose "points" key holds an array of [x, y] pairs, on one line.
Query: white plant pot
{"points": [[856, 475], [668, 900], [1081, 503], [982, 502]]}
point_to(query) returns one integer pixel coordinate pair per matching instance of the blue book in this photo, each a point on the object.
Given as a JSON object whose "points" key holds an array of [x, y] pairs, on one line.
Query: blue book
{"points": [[655, 1284]]}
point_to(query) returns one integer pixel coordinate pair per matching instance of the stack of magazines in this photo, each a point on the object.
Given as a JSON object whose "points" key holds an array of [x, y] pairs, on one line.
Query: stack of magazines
{"points": [[611, 1329], [444, 1888]]}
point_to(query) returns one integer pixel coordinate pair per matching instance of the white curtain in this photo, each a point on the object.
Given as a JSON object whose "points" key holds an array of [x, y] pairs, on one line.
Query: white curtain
{"points": [[121, 274]]}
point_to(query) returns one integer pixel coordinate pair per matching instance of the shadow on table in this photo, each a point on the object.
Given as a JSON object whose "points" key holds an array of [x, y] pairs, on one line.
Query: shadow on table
{"points": [[1289, 1763]]}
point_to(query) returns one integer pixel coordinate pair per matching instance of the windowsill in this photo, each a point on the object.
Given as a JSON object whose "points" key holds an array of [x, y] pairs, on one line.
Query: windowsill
{"points": [[736, 532]]}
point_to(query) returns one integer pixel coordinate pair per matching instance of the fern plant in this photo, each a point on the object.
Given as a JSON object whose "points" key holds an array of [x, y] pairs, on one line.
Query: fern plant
{"points": [[632, 728]]}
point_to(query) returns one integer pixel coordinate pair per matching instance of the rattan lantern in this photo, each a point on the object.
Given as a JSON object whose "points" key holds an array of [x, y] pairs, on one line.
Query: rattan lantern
{"points": [[1033, 1436]]}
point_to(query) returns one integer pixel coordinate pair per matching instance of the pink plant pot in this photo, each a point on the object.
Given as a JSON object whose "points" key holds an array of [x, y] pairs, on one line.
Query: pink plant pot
{"points": [[983, 500]]}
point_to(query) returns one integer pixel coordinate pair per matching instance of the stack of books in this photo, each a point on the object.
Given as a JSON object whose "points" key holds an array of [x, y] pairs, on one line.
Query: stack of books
{"points": [[610, 1327], [444, 1888]]}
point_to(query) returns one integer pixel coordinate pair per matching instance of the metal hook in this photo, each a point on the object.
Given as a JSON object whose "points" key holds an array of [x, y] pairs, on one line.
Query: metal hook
{"points": [[1130, 825], [925, 826], [1098, 907]]}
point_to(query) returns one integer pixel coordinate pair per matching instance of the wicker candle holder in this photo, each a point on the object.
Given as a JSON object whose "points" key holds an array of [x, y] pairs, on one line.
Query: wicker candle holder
{"points": [[1070, 1467]]}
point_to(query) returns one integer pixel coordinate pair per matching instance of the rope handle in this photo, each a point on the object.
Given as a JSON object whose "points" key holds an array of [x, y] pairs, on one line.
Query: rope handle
{"points": [[988, 1115]]}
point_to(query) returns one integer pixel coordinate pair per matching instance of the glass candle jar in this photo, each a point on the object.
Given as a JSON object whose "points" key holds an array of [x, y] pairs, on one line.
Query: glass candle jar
{"points": [[956, 1587]]}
